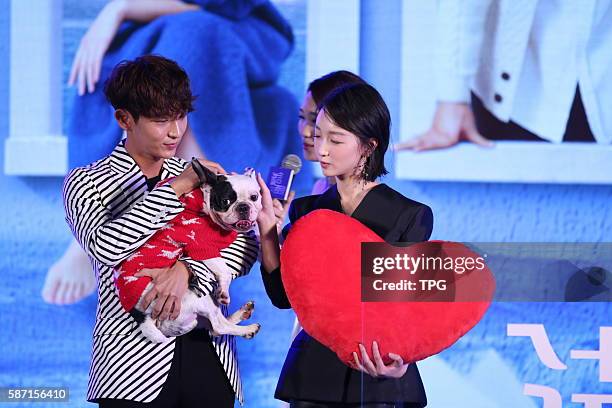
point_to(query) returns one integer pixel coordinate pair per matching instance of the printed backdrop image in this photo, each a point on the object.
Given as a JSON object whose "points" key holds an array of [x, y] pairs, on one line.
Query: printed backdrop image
{"points": [[519, 88], [523, 353]]}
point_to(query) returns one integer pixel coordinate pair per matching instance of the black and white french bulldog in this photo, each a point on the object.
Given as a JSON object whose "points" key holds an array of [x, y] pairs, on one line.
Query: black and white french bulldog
{"points": [[232, 202]]}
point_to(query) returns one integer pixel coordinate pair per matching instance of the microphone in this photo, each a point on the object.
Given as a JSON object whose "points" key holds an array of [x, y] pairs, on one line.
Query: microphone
{"points": [[293, 162], [280, 177]]}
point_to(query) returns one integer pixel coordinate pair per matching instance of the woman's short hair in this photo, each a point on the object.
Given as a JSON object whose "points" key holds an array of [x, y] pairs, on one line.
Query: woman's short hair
{"points": [[321, 87], [361, 110], [150, 86]]}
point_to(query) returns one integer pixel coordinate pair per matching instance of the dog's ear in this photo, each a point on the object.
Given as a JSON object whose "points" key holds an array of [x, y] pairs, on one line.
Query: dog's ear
{"points": [[249, 171]]}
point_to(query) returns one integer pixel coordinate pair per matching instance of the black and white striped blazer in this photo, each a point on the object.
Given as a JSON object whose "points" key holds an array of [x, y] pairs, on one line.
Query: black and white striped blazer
{"points": [[111, 214]]}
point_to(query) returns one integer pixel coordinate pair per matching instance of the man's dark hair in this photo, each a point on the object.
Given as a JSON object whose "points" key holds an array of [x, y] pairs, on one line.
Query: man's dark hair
{"points": [[359, 109], [321, 87], [150, 86]]}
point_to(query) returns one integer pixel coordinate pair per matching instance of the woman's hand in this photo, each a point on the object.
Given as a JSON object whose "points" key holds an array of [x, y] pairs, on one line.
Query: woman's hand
{"points": [[267, 219], [87, 62], [169, 286], [378, 368], [280, 211], [281, 207]]}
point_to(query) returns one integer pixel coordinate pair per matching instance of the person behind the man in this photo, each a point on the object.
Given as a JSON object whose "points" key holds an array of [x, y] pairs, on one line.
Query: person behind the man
{"points": [[113, 206]]}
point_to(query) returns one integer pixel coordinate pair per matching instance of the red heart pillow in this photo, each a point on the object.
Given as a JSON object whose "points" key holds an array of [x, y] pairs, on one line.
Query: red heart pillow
{"points": [[321, 273]]}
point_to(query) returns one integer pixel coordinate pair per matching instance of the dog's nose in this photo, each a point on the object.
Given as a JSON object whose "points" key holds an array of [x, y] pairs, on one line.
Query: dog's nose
{"points": [[243, 209]]}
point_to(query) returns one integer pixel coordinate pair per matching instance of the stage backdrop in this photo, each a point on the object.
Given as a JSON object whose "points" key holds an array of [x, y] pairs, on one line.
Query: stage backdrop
{"points": [[518, 349]]}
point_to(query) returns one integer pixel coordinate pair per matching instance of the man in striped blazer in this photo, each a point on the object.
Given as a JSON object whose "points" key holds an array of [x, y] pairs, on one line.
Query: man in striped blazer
{"points": [[113, 206]]}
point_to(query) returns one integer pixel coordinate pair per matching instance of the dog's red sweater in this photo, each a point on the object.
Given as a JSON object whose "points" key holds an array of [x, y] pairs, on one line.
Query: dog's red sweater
{"points": [[191, 233]]}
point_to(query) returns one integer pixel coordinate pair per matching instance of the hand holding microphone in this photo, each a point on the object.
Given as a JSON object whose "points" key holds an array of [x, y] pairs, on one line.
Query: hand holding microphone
{"points": [[279, 183], [280, 177]]}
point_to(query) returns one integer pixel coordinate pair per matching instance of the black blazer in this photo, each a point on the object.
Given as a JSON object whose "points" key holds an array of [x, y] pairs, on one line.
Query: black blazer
{"points": [[312, 372]]}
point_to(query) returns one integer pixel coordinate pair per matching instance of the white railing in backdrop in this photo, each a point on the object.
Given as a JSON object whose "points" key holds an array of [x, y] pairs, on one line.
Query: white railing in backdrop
{"points": [[35, 144], [332, 37]]}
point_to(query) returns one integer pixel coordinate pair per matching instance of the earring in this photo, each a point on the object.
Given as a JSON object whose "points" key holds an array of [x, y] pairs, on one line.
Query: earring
{"points": [[364, 168]]}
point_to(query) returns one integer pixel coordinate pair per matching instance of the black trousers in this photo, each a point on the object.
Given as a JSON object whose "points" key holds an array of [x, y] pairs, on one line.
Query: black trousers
{"points": [[196, 378], [308, 404], [577, 128]]}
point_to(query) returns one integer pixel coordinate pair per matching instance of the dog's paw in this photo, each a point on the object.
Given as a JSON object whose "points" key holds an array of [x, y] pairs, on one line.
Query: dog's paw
{"points": [[253, 330], [247, 310], [242, 314]]}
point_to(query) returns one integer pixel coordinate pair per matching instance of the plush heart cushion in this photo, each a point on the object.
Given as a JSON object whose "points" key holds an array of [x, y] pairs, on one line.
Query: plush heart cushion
{"points": [[321, 273]]}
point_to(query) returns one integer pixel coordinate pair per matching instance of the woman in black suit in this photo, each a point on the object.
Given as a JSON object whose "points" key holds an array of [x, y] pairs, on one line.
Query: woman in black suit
{"points": [[351, 138]]}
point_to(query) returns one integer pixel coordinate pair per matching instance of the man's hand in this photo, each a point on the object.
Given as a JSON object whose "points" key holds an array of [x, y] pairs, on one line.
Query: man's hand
{"points": [[378, 368], [453, 121], [188, 179], [169, 286]]}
